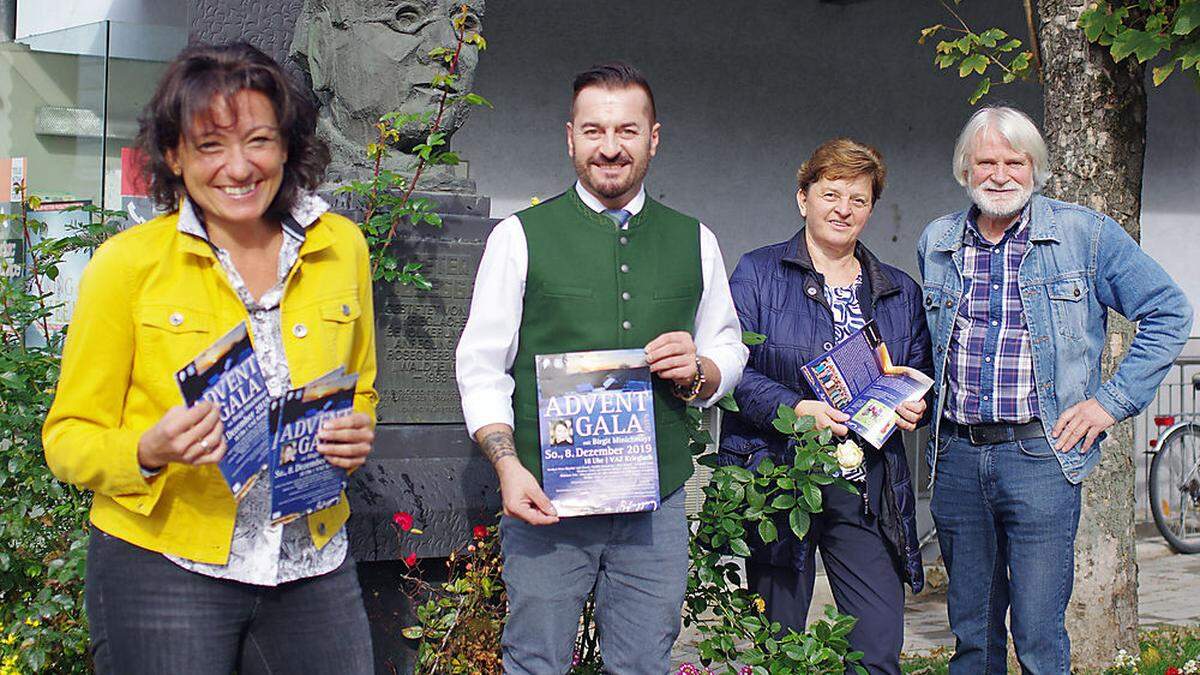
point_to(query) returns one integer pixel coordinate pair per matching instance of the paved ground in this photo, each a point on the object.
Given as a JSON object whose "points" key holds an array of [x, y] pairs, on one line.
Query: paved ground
{"points": [[1168, 591]]}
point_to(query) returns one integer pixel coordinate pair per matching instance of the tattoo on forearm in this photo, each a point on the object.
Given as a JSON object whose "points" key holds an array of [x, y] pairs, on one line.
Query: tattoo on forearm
{"points": [[497, 445]]}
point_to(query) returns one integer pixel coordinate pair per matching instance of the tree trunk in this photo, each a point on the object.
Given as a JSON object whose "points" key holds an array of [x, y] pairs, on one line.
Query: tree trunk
{"points": [[1095, 125]]}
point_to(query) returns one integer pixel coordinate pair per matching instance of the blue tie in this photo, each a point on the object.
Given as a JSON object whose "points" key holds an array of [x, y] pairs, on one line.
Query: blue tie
{"points": [[618, 216]]}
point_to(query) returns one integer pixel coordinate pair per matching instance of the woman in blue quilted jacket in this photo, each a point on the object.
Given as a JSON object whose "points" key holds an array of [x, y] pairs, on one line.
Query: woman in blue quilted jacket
{"points": [[806, 295]]}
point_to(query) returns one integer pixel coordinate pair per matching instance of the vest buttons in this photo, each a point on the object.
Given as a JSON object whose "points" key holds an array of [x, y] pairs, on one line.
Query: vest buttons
{"points": [[175, 319], [299, 330], [626, 325], [624, 267], [812, 291], [320, 528], [345, 310], [624, 240], [827, 346], [949, 304], [626, 295]]}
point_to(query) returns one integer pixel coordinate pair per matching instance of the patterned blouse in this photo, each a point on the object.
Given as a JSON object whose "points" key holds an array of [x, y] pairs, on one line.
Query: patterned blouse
{"points": [[847, 315], [261, 553]]}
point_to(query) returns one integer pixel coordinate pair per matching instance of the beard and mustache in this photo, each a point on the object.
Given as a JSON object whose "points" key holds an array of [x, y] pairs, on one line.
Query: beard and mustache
{"points": [[611, 188], [1001, 206]]}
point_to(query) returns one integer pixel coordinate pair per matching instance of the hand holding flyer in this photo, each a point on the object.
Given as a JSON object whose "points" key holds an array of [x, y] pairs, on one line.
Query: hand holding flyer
{"points": [[302, 480], [858, 378], [596, 414], [227, 373]]}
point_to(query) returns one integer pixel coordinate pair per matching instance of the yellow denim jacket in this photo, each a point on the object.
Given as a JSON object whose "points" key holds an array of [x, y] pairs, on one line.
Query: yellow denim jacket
{"points": [[149, 301]]}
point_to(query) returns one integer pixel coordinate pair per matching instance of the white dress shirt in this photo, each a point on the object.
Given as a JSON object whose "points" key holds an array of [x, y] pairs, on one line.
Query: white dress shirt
{"points": [[488, 345]]}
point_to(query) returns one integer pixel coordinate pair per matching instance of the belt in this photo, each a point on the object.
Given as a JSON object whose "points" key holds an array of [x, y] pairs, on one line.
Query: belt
{"points": [[997, 432]]}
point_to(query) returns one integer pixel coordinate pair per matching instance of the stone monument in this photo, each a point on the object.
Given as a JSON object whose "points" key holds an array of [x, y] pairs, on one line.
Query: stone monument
{"points": [[366, 58]]}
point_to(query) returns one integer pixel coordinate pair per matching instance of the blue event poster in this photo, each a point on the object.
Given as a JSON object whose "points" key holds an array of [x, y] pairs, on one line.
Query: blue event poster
{"points": [[857, 377], [228, 373], [596, 422], [302, 480]]}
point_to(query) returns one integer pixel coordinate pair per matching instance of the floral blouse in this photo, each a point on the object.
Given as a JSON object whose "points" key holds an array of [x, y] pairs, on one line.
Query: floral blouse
{"points": [[262, 553]]}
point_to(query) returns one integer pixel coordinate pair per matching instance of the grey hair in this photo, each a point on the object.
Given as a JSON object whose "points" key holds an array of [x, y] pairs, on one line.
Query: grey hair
{"points": [[1016, 127]]}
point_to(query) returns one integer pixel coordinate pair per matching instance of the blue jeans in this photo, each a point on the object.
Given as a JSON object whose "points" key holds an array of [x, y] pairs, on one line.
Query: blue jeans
{"points": [[636, 562], [148, 615], [1006, 520]]}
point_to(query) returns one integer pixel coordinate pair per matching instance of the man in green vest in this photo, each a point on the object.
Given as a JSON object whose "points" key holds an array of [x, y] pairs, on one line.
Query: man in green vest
{"points": [[601, 266]]}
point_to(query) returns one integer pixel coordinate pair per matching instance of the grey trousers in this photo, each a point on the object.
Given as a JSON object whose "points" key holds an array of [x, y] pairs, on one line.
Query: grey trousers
{"points": [[637, 564]]}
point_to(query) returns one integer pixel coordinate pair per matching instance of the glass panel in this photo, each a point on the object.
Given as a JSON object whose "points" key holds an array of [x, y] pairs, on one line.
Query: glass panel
{"points": [[70, 100]]}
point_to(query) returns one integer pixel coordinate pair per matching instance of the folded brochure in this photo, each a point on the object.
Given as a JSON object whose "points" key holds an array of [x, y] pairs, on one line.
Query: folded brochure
{"points": [[857, 377], [228, 374], [302, 480]]}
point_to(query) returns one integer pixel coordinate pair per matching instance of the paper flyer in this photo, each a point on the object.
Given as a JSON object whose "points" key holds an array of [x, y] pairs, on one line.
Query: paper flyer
{"points": [[302, 480], [858, 378], [596, 418], [228, 373]]}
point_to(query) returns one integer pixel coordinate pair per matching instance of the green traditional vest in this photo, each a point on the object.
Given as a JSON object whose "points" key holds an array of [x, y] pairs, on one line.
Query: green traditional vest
{"points": [[593, 286]]}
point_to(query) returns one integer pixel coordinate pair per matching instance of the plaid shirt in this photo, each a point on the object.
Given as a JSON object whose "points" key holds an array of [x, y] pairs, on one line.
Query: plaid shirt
{"points": [[990, 366]]}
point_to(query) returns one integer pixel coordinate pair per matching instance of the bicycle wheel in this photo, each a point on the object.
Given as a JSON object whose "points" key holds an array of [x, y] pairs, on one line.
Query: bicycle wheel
{"points": [[1175, 488]]}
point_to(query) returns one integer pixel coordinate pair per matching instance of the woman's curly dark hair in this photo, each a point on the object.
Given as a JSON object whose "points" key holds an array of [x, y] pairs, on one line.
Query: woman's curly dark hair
{"points": [[187, 88]]}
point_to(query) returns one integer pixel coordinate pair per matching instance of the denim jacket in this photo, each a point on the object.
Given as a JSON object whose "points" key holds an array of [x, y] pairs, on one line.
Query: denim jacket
{"points": [[1078, 264]]}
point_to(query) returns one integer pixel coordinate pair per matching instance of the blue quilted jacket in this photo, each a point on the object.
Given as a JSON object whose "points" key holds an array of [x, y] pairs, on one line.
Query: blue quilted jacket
{"points": [[778, 293]]}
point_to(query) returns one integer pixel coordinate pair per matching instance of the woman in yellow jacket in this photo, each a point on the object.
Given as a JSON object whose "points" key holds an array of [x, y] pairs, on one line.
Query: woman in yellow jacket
{"points": [[181, 577]]}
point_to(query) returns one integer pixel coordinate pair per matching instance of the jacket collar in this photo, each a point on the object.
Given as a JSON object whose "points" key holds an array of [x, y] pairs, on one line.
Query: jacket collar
{"points": [[302, 223], [877, 280], [1042, 226]]}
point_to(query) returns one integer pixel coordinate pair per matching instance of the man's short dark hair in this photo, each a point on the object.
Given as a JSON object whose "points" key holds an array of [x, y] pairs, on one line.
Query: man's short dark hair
{"points": [[614, 75]]}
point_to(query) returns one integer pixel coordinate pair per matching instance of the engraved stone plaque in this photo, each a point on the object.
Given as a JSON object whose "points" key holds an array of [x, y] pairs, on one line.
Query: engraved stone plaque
{"points": [[416, 331]]}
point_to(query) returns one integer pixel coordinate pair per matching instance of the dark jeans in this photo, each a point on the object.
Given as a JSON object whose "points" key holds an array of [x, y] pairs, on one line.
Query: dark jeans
{"points": [[863, 573], [151, 616], [1006, 520]]}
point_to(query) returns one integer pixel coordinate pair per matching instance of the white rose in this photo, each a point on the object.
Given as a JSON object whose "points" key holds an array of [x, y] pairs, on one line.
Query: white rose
{"points": [[849, 455]]}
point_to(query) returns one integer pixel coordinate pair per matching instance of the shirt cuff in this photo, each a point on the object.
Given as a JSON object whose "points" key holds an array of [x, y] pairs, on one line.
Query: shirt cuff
{"points": [[480, 410], [730, 365]]}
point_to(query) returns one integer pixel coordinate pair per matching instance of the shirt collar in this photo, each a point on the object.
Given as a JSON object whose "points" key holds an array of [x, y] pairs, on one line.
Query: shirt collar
{"points": [[307, 209], [972, 228], [634, 206]]}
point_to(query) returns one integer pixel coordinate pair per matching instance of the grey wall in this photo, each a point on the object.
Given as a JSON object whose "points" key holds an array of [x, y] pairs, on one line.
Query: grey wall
{"points": [[745, 94], [745, 91], [41, 16]]}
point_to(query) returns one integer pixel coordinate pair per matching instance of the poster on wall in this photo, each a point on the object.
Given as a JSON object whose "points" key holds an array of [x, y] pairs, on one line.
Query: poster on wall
{"points": [[12, 235], [62, 219], [135, 191]]}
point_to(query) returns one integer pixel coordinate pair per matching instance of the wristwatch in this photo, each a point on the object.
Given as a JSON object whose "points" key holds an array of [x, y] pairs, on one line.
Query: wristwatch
{"points": [[690, 393]]}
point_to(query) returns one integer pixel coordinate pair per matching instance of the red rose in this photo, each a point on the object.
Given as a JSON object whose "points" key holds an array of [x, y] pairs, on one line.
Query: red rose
{"points": [[1173, 671], [404, 519], [480, 532], [411, 559]]}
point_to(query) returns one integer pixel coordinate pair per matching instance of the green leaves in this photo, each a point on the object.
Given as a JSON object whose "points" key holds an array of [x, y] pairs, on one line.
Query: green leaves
{"points": [[1144, 45], [750, 338], [42, 522], [1158, 29]]}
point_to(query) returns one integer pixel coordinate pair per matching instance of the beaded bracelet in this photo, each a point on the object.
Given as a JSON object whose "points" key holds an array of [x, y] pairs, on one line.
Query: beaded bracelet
{"points": [[698, 380]]}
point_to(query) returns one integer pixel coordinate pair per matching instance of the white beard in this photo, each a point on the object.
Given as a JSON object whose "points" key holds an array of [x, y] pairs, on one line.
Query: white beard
{"points": [[1005, 206]]}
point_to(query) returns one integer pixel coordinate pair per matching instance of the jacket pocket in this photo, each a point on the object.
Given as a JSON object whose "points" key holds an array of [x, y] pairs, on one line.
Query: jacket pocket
{"points": [[1068, 298], [172, 334], [339, 318]]}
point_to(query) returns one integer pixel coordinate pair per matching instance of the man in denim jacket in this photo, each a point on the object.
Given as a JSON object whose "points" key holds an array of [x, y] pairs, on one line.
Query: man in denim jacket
{"points": [[1017, 291]]}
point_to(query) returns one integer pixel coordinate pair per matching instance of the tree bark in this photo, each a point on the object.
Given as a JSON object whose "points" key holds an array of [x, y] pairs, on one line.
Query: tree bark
{"points": [[1095, 126]]}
